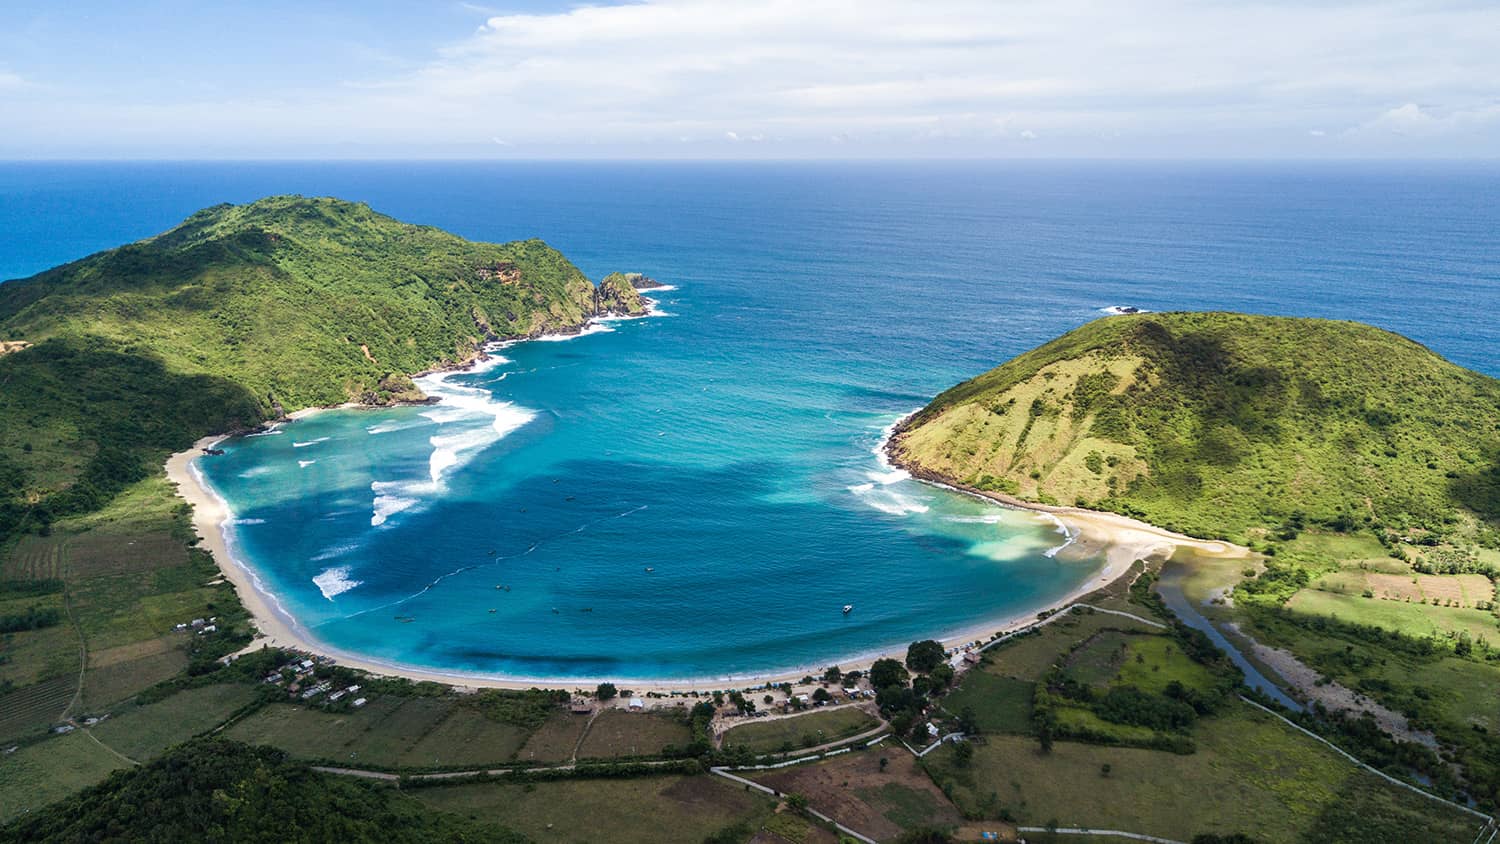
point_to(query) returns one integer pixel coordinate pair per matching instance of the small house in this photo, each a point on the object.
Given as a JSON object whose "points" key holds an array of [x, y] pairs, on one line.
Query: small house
{"points": [[580, 706], [358, 702], [637, 705]]}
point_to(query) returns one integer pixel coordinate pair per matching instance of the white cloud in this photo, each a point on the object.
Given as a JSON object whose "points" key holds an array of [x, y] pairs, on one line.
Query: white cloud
{"points": [[11, 81], [811, 77]]}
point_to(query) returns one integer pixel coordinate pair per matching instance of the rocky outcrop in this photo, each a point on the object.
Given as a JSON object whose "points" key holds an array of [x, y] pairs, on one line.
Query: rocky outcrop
{"points": [[617, 296]]}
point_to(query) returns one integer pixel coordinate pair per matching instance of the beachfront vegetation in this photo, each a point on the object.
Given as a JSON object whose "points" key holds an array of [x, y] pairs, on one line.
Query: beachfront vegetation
{"points": [[239, 314], [1218, 424]]}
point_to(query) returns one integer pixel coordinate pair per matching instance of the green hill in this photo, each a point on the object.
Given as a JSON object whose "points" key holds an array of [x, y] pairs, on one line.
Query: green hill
{"points": [[239, 314], [1220, 424]]}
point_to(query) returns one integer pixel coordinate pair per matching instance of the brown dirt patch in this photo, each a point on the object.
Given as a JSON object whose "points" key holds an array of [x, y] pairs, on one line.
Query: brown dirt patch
{"points": [[132, 651], [853, 790], [1464, 589]]}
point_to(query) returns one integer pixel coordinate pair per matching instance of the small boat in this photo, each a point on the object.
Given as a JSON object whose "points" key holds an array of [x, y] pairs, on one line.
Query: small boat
{"points": [[848, 608], [649, 569], [492, 609]]}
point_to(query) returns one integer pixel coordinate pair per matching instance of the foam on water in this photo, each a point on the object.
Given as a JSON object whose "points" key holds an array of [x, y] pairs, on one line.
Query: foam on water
{"points": [[335, 581], [469, 420], [396, 425], [310, 442], [305, 463]]}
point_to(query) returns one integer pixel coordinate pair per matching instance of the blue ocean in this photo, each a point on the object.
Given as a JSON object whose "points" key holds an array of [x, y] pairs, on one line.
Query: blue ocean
{"points": [[697, 494]]}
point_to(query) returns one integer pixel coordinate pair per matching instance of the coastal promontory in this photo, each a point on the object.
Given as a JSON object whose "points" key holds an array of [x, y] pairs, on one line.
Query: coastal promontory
{"points": [[1221, 424], [244, 313]]}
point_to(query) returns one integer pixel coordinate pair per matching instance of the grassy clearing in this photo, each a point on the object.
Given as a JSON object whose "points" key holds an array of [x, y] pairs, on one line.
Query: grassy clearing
{"points": [[1000, 704], [617, 733], [1252, 774], [145, 732], [807, 730], [38, 774], [1417, 620], [646, 810]]}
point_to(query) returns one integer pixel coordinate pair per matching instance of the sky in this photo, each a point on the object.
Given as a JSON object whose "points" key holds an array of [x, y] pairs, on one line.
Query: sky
{"points": [[774, 79]]}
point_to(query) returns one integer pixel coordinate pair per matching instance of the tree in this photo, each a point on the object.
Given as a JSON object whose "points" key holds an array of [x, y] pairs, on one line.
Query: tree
{"points": [[968, 721], [884, 762], [886, 673], [1104, 770], [821, 694], [605, 691], [924, 835], [941, 676], [832, 674], [925, 655], [963, 754]]}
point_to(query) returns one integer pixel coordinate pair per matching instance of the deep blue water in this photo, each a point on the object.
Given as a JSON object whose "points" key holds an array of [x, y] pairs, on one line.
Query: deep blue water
{"points": [[728, 446]]}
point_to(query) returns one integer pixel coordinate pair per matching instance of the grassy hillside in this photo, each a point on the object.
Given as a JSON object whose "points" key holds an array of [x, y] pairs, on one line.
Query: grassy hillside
{"points": [[237, 315], [1231, 425]]}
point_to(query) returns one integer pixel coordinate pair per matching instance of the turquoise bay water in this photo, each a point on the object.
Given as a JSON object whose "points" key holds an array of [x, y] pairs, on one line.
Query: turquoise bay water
{"points": [[728, 446], [645, 501]]}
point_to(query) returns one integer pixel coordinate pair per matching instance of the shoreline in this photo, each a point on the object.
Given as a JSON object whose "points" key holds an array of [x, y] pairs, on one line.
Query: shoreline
{"points": [[1119, 540]]}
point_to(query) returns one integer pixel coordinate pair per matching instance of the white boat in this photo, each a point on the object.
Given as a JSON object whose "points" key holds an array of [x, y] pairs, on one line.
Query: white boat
{"points": [[848, 608]]}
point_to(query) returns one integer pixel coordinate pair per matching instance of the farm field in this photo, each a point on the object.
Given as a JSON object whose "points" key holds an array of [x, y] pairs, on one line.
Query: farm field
{"points": [[144, 732], [389, 732], [808, 730], [644, 810], [555, 740], [617, 733], [1252, 774]]}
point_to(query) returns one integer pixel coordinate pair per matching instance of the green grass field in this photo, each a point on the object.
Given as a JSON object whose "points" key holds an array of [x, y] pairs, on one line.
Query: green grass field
{"points": [[144, 732], [1029, 657], [1153, 662], [616, 733], [40, 773], [1413, 619], [646, 810], [1000, 704], [1251, 774], [808, 730]]}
